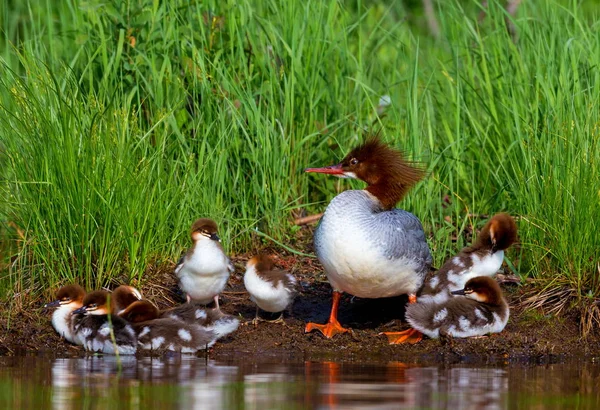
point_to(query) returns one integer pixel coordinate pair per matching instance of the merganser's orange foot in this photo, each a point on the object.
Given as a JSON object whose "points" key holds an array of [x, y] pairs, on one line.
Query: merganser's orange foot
{"points": [[411, 336], [329, 330], [412, 298]]}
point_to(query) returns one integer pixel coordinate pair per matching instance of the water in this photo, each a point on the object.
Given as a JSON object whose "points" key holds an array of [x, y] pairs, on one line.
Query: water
{"points": [[242, 382]]}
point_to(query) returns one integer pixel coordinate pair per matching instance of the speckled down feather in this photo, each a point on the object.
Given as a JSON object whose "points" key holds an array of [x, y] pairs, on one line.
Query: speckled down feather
{"points": [[457, 317], [93, 332], [174, 335]]}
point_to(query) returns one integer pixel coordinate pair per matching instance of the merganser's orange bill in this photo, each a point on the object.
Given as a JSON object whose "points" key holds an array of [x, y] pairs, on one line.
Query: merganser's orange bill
{"points": [[332, 170]]}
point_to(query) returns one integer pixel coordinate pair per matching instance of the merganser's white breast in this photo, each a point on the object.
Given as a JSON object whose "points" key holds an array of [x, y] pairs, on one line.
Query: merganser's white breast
{"points": [[204, 273], [370, 252]]}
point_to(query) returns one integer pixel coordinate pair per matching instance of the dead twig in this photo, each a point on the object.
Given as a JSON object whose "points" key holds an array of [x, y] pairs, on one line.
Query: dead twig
{"points": [[305, 220]]}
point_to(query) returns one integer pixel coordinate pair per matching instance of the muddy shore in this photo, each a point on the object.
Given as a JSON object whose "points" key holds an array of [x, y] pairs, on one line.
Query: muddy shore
{"points": [[530, 335]]}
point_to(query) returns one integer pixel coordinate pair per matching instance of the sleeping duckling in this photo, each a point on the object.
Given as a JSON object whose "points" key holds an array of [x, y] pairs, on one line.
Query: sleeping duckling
{"points": [[476, 310], [163, 333], [193, 312]]}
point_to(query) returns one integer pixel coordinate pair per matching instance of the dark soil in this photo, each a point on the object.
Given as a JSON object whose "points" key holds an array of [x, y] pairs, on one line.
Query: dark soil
{"points": [[530, 335]]}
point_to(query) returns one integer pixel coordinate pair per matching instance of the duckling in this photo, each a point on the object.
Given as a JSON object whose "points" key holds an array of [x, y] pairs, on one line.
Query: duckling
{"points": [[156, 333], [482, 310], [123, 296], [193, 312], [483, 258], [204, 270], [272, 290], [69, 298], [100, 330]]}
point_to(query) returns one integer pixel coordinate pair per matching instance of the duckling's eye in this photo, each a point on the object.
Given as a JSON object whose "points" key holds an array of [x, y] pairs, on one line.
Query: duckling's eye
{"points": [[92, 306], [353, 161]]}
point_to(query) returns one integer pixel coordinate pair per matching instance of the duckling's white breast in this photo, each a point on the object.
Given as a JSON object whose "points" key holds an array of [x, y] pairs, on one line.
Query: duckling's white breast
{"points": [[369, 252], [207, 259], [61, 321], [205, 272], [487, 265], [265, 294]]}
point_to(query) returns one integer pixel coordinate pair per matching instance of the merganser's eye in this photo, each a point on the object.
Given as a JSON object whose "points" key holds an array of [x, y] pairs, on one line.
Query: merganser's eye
{"points": [[353, 161], [92, 306]]}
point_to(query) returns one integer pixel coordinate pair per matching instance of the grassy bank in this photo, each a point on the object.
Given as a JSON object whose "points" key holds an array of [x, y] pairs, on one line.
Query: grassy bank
{"points": [[121, 122]]}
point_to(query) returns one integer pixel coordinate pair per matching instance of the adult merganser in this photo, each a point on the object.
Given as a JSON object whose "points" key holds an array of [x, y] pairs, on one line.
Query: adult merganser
{"points": [[483, 310], [271, 289], [69, 298], [100, 330], [156, 333], [483, 258], [369, 248], [203, 271]]}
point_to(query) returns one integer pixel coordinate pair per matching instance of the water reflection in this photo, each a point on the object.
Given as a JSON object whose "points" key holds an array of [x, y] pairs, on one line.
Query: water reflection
{"points": [[98, 382]]}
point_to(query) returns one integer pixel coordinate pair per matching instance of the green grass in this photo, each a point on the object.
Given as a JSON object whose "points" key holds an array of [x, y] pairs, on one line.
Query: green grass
{"points": [[122, 122]]}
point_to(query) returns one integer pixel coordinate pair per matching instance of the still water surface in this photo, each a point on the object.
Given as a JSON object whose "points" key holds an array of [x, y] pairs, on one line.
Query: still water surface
{"points": [[39, 382]]}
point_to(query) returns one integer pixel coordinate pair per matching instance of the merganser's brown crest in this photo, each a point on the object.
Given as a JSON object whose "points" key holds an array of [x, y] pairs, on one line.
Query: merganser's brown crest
{"points": [[385, 169]]}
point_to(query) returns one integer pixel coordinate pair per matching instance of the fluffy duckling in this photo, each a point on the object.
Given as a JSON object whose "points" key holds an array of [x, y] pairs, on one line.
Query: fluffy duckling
{"points": [[99, 326], [204, 270], [192, 312], [156, 333], [483, 258], [482, 310], [123, 296], [69, 298], [271, 289]]}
